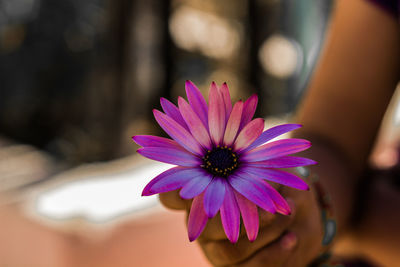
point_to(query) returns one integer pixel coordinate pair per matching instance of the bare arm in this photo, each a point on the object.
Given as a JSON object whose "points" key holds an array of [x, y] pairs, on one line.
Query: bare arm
{"points": [[348, 96], [341, 115]]}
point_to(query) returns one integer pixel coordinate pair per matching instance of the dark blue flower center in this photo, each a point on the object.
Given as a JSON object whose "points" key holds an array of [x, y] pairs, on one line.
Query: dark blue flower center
{"points": [[220, 161]]}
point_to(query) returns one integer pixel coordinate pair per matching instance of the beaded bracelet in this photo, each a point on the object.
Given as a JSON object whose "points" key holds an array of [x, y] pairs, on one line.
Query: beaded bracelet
{"points": [[327, 217]]}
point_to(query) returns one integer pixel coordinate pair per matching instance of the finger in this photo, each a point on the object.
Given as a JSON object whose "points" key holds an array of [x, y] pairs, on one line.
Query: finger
{"points": [[215, 232], [297, 196], [307, 248], [222, 252], [308, 245], [173, 201], [274, 254], [308, 220]]}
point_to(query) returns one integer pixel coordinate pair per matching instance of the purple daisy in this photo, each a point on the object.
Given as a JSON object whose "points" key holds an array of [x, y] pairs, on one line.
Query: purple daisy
{"points": [[224, 162]]}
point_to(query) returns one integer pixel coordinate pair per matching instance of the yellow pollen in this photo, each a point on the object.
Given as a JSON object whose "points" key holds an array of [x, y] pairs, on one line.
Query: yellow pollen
{"points": [[219, 156]]}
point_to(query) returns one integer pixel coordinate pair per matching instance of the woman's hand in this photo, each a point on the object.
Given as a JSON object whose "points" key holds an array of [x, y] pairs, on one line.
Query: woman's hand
{"points": [[294, 240]]}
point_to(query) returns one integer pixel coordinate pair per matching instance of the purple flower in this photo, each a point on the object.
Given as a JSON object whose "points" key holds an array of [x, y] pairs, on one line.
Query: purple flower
{"points": [[224, 162]]}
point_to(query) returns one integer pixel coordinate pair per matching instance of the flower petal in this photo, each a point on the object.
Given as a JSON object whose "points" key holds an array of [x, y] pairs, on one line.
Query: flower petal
{"points": [[276, 149], [198, 130], [172, 111], [230, 215], [227, 100], [214, 196], [195, 186], [155, 141], [197, 102], [281, 205], [272, 133], [170, 180], [249, 109], [170, 155], [232, 126], [248, 134], [283, 162], [253, 189], [178, 133], [216, 115], [277, 176], [197, 218], [249, 213]]}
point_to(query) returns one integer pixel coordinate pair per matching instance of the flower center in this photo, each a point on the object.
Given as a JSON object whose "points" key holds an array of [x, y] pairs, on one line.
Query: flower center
{"points": [[220, 161]]}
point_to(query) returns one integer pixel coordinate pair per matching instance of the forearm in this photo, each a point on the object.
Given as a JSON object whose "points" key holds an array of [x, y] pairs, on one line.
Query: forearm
{"points": [[347, 98]]}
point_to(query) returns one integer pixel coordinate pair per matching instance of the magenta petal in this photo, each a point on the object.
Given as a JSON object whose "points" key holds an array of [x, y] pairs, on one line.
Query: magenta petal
{"points": [[249, 109], [198, 130], [276, 149], [253, 189], [216, 115], [283, 162], [273, 132], [277, 176], [178, 133], [232, 126], [249, 213], [281, 205], [170, 180], [214, 196], [248, 134], [172, 111], [197, 102], [170, 155], [227, 100], [155, 141], [230, 215], [195, 186], [197, 218]]}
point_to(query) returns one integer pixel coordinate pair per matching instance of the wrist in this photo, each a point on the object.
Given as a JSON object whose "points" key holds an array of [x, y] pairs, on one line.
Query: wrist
{"points": [[337, 180], [324, 202]]}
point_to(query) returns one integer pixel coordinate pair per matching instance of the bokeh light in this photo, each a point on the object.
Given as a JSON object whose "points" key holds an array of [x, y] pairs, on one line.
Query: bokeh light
{"points": [[196, 30], [280, 56]]}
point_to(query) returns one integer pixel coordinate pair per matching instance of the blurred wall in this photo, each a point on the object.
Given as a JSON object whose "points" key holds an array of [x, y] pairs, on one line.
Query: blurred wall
{"points": [[78, 78]]}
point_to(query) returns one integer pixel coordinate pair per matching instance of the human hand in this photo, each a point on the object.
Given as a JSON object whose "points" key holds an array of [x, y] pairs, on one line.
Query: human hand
{"points": [[293, 240]]}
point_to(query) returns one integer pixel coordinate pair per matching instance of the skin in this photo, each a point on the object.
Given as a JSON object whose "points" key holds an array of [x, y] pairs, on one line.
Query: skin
{"points": [[341, 113], [352, 86], [277, 243]]}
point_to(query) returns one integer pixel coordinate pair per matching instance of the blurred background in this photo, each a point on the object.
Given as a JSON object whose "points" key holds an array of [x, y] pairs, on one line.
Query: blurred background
{"points": [[78, 78]]}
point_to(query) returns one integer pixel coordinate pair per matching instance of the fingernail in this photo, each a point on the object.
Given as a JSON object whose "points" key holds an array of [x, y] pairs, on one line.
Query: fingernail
{"points": [[288, 241]]}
